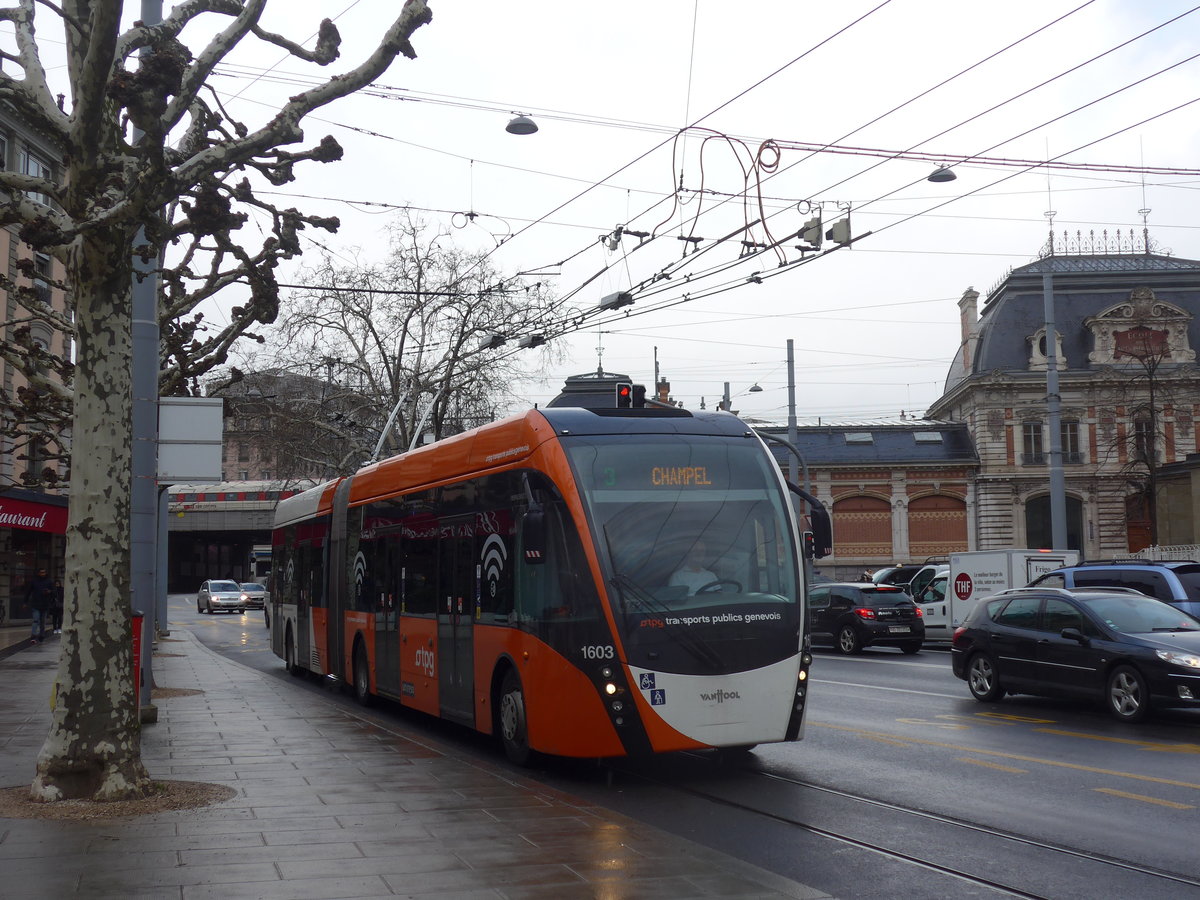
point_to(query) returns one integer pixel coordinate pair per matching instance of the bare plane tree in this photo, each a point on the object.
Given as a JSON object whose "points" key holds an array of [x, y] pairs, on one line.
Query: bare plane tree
{"points": [[407, 336], [185, 182], [1153, 395]]}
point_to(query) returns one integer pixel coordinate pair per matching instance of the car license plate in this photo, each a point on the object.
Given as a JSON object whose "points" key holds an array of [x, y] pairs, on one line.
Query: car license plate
{"points": [[898, 629]]}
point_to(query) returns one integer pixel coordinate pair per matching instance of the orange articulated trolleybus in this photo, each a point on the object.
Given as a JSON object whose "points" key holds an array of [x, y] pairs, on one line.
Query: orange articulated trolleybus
{"points": [[578, 582]]}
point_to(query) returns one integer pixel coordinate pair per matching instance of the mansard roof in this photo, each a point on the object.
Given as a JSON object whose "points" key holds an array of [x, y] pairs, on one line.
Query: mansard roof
{"points": [[1085, 287]]}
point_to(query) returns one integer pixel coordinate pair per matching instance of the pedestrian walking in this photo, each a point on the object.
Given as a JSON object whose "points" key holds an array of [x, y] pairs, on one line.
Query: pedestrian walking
{"points": [[39, 594], [56, 611]]}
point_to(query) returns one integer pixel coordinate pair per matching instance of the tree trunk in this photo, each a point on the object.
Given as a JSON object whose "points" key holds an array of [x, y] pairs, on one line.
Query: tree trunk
{"points": [[93, 750]]}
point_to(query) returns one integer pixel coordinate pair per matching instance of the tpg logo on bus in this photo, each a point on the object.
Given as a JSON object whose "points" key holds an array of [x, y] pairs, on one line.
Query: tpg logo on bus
{"points": [[425, 660], [963, 586]]}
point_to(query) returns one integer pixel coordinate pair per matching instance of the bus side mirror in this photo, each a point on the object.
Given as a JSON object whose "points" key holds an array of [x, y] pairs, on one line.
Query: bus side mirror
{"points": [[818, 542], [533, 535]]}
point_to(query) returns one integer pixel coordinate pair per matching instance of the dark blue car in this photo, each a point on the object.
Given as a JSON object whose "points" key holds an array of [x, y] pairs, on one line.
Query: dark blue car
{"points": [[1115, 645]]}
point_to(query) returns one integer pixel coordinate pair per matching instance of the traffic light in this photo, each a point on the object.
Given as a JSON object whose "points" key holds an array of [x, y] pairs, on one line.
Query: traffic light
{"points": [[839, 231], [639, 396], [811, 232], [624, 395]]}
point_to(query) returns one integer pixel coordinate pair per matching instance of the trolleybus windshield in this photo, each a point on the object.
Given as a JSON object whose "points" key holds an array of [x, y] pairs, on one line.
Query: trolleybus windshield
{"points": [[702, 561]]}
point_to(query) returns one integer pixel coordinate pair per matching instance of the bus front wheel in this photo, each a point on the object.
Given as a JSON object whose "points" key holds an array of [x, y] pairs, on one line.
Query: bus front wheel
{"points": [[513, 732]]}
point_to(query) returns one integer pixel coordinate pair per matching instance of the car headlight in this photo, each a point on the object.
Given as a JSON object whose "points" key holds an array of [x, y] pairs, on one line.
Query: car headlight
{"points": [[1191, 660]]}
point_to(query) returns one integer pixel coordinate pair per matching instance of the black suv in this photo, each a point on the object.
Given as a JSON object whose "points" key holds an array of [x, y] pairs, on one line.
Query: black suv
{"points": [[854, 615], [1177, 583]]}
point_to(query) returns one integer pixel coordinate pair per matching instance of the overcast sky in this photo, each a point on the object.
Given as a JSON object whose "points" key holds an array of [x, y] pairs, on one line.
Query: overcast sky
{"points": [[874, 326]]}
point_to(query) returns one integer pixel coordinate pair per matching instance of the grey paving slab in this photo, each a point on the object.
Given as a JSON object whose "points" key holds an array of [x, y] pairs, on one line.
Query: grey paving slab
{"points": [[329, 805]]}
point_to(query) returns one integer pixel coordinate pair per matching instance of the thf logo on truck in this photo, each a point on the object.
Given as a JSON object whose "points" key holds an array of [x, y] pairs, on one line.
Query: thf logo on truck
{"points": [[963, 586]]}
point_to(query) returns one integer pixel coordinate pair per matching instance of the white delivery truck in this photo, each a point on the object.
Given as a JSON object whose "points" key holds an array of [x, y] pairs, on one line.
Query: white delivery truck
{"points": [[982, 573]]}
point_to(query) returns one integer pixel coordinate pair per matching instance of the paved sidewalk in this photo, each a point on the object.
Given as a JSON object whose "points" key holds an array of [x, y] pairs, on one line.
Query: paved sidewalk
{"points": [[328, 806]]}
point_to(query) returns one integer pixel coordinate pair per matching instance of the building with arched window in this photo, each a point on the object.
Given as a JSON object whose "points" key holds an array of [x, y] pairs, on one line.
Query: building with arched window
{"points": [[975, 474], [896, 491], [1129, 388]]}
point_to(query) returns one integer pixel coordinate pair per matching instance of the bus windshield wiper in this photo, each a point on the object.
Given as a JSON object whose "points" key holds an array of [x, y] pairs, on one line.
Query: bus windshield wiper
{"points": [[683, 635]]}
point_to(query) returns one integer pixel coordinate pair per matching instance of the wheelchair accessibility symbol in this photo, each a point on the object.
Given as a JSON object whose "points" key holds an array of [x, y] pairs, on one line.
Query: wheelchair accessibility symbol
{"points": [[646, 681]]}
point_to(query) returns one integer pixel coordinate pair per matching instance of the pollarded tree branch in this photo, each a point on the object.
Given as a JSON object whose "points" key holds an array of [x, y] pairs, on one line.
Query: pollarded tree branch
{"points": [[285, 127], [90, 62], [327, 49], [31, 95], [218, 48]]}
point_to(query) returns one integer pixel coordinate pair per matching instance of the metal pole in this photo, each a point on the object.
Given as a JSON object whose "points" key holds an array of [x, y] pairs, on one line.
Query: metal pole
{"points": [[143, 525], [160, 581], [791, 422], [1058, 495], [726, 401]]}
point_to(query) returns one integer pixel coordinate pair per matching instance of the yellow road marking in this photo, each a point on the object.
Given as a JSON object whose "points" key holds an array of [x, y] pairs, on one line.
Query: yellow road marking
{"points": [[895, 742], [1143, 798], [992, 765], [1010, 717], [1019, 757], [1146, 745], [949, 725]]}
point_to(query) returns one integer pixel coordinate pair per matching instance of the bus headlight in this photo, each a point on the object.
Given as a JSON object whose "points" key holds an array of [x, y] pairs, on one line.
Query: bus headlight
{"points": [[610, 689], [803, 675]]}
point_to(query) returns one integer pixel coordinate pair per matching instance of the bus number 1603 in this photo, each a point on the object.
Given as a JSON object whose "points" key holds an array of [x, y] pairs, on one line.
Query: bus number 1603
{"points": [[598, 651]]}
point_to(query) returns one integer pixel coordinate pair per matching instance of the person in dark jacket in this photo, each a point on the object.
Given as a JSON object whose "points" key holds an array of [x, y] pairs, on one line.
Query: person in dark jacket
{"points": [[40, 596], [56, 611]]}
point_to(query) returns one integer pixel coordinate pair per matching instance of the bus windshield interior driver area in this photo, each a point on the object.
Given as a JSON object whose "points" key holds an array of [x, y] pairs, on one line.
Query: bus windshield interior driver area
{"points": [[577, 582]]}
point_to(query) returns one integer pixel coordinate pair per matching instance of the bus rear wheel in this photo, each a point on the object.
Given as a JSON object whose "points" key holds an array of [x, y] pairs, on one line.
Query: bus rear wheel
{"points": [[514, 735], [289, 655], [362, 677]]}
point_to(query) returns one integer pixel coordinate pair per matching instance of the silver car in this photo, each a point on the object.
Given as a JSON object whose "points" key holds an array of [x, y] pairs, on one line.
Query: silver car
{"points": [[254, 596], [215, 595]]}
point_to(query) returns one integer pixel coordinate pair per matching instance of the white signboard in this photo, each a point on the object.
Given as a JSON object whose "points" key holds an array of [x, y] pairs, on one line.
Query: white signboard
{"points": [[190, 435]]}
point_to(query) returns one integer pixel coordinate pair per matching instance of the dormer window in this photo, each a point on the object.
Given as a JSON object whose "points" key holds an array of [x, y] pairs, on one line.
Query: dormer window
{"points": [[1037, 352], [859, 437]]}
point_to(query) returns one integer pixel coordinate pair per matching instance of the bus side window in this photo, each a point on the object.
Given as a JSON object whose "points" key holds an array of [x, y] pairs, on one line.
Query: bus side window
{"points": [[421, 533]]}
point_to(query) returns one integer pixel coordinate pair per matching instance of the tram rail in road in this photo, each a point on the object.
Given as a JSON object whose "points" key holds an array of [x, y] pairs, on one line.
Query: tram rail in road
{"points": [[1007, 863]]}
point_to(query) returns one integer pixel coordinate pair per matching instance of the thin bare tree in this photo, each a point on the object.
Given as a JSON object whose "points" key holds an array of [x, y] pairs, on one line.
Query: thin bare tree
{"points": [[399, 348]]}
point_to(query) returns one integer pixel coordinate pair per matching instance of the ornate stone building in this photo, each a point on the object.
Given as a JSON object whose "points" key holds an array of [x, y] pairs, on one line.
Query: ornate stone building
{"points": [[1126, 331]]}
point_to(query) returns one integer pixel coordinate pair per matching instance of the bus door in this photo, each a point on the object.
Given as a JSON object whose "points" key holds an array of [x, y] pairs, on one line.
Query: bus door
{"points": [[338, 598], [386, 604], [457, 597]]}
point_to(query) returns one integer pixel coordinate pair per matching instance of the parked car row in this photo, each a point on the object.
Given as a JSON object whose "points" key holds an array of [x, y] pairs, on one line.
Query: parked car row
{"points": [[230, 596], [1125, 633]]}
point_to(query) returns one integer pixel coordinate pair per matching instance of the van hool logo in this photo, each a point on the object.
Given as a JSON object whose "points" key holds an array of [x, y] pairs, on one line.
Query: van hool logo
{"points": [[720, 696]]}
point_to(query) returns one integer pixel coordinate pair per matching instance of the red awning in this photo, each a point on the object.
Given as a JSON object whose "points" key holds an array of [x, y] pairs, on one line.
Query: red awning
{"points": [[32, 516]]}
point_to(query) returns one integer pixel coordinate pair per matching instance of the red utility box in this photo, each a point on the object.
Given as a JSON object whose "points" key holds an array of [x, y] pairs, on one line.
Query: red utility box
{"points": [[138, 618]]}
